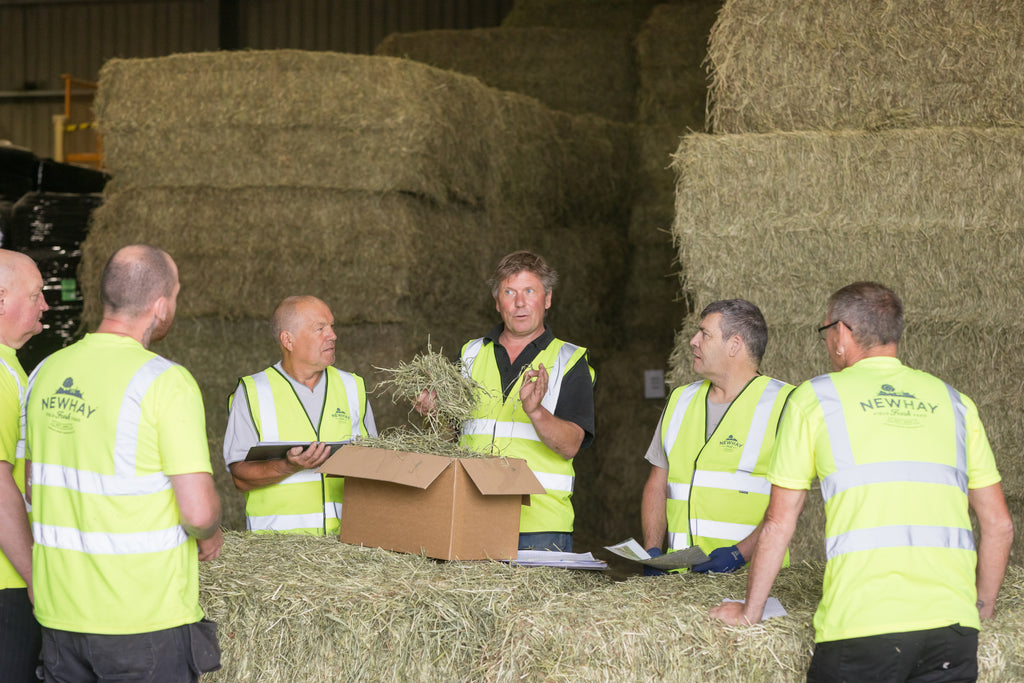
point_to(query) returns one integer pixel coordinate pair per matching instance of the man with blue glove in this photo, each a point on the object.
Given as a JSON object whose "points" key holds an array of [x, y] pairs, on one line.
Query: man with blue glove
{"points": [[710, 452]]}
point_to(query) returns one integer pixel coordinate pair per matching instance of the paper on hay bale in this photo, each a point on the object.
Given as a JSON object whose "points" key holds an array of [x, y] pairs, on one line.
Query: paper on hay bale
{"points": [[785, 219], [353, 122], [559, 67], [826, 64], [670, 50]]}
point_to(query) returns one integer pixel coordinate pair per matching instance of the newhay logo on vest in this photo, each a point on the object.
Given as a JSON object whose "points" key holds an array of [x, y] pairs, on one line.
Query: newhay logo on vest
{"points": [[67, 404], [730, 442], [889, 401], [339, 414]]}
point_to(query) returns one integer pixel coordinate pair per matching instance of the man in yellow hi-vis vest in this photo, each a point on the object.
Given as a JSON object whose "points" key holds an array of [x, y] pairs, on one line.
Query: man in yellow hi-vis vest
{"points": [[21, 308], [539, 401], [902, 457], [709, 454], [303, 398], [122, 492]]}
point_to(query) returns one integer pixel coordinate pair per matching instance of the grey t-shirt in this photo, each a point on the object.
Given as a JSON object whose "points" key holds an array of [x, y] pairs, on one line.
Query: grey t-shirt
{"points": [[656, 454], [241, 435]]}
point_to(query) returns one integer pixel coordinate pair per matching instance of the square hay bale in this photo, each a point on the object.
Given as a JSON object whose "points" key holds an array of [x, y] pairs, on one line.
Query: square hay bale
{"points": [[559, 67], [825, 64], [293, 608], [353, 122], [785, 219], [670, 51]]}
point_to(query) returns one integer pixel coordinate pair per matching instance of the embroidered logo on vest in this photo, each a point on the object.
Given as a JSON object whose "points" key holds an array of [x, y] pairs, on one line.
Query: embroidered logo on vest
{"points": [[730, 442], [66, 406]]}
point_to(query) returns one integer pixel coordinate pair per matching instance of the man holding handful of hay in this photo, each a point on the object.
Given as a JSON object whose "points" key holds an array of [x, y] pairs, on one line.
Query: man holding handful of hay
{"points": [[710, 452], [301, 398], [539, 397], [902, 457]]}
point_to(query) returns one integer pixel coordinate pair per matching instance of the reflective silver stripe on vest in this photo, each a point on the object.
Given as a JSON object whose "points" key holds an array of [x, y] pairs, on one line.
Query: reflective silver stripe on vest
{"points": [[59, 476], [302, 477], [729, 531], [740, 481], [126, 440], [309, 520], [99, 543], [759, 426], [555, 375], [493, 428], [268, 414], [669, 434], [899, 537], [893, 471], [19, 448], [835, 422], [678, 540], [960, 427], [679, 491], [555, 482], [469, 355], [354, 406]]}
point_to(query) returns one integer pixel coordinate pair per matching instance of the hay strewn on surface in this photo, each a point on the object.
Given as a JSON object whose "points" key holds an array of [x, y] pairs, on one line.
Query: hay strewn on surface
{"points": [[784, 65], [241, 251], [379, 124], [577, 71], [302, 609], [670, 50], [785, 219]]}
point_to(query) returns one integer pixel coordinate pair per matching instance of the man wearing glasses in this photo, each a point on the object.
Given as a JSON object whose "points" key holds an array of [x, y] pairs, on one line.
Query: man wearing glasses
{"points": [[901, 457], [710, 452]]}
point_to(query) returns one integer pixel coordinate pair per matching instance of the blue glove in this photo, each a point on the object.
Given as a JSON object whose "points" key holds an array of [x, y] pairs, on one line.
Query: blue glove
{"points": [[721, 561], [653, 571]]}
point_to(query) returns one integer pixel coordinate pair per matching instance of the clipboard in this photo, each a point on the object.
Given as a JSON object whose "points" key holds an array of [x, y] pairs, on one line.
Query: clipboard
{"points": [[278, 450]]}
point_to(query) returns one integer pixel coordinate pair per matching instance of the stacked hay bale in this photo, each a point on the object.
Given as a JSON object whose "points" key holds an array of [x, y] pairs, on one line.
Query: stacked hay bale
{"points": [[580, 14], [871, 170], [577, 71], [309, 609], [387, 188], [670, 47]]}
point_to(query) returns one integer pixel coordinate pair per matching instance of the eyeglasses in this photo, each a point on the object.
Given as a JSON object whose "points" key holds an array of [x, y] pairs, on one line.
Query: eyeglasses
{"points": [[821, 330]]}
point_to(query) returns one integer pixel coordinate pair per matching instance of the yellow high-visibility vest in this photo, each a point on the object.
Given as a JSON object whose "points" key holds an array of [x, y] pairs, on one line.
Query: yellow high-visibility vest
{"points": [[305, 502], [503, 427]]}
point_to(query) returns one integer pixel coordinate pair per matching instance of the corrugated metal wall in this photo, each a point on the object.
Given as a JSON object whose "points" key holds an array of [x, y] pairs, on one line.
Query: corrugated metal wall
{"points": [[41, 40]]}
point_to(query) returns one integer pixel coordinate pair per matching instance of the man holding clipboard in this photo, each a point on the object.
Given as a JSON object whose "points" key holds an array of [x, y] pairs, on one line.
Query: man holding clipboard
{"points": [[303, 400]]}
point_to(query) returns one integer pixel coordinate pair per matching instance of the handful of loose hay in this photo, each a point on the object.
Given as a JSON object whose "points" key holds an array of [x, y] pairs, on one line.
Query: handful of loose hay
{"points": [[456, 394], [413, 440]]}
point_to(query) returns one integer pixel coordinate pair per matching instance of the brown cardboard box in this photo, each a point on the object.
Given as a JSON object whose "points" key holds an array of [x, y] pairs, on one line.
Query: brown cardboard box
{"points": [[446, 508]]}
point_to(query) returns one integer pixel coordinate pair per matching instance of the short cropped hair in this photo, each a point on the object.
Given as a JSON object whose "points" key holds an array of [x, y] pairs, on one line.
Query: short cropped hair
{"points": [[872, 311], [136, 276], [740, 317], [519, 261], [286, 315]]}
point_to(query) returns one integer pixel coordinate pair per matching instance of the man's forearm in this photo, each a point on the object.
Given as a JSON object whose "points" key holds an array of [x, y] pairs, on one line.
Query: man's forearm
{"points": [[653, 515], [249, 476], [15, 535], [561, 436]]}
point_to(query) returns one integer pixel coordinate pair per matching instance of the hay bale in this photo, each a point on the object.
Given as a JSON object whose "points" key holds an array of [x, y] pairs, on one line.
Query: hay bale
{"points": [[241, 251], [829, 65], [303, 608], [579, 14], [670, 51], [352, 122], [785, 219], [557, 66]]}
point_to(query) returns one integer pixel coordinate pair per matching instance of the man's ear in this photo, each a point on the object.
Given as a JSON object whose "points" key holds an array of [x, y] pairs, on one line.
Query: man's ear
{"points": [[285, 339], [160, 308], [734, 345]]}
